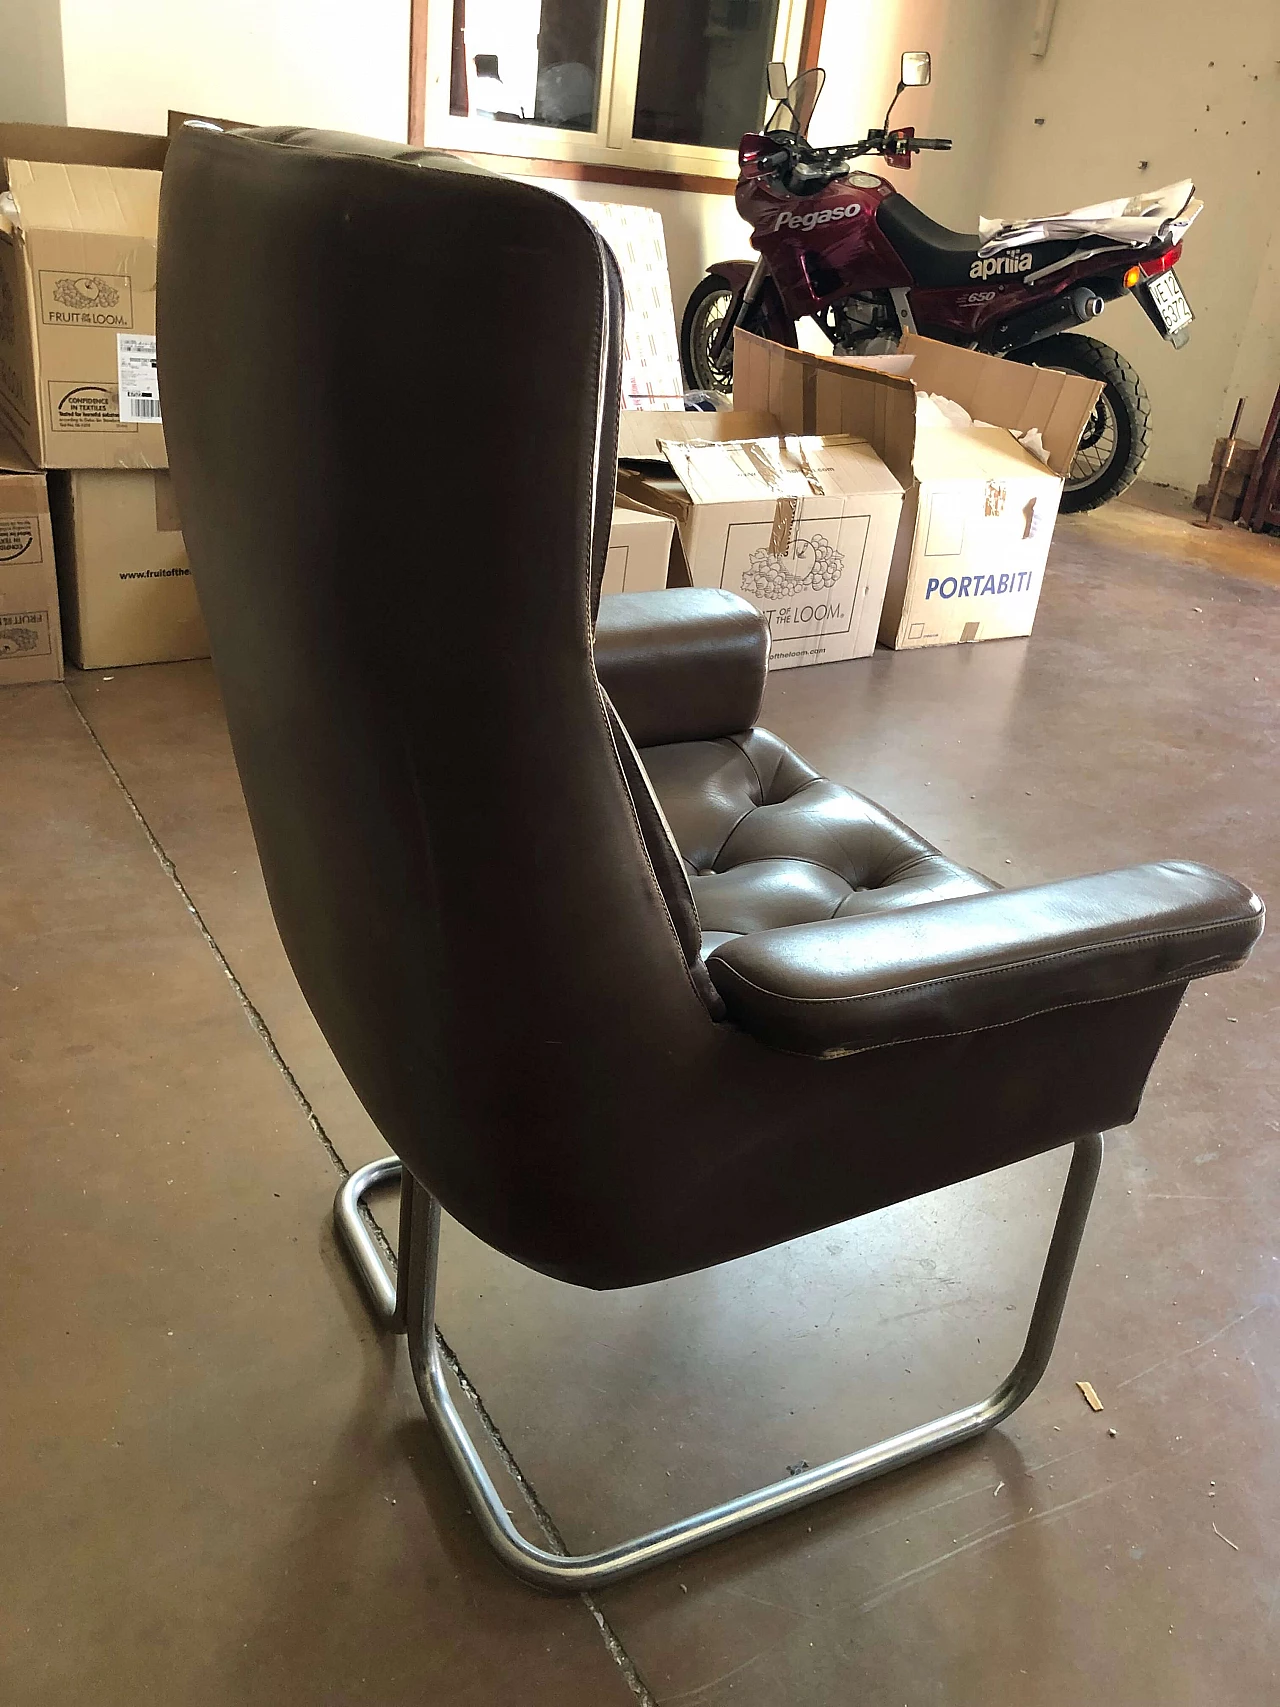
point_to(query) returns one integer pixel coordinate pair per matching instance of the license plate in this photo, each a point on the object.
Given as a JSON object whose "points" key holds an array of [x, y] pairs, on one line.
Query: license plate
{"points": [[1171, 305]]}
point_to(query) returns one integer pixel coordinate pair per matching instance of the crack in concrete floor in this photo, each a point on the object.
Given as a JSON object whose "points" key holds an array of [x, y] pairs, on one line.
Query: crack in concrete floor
{"points": [[539, 1512]]}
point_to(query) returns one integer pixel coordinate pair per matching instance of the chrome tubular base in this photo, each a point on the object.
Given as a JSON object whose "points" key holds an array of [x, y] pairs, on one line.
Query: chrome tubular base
{"points": [[408, 1305], [356, 1234]]}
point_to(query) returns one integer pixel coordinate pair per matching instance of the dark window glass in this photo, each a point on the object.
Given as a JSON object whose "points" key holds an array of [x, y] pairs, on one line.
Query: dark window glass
{"points": [[528, 61], [702, 69]]}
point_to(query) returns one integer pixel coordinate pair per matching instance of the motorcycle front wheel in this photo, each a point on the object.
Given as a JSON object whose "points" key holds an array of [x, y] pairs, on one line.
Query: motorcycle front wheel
{"points": [[1113, 446], [703, 316]]}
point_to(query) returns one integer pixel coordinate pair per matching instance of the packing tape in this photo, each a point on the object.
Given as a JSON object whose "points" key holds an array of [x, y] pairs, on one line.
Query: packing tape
{"points": [[756, 455], [800, 456], [784, 521]]}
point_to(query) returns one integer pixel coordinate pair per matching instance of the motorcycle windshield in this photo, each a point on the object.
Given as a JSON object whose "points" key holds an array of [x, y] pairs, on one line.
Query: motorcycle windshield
{"points": [[796, 108]]}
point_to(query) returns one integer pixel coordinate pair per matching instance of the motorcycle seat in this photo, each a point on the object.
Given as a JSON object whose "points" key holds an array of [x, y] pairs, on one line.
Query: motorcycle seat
{"points": [[940, 259]]}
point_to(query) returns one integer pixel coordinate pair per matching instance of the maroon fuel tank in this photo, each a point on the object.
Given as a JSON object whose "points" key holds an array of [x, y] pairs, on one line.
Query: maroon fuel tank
{"points": [[821, 247]]}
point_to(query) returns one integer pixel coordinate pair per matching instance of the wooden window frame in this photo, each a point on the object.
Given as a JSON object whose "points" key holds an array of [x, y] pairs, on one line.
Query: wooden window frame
{"points": [[587, 171]]}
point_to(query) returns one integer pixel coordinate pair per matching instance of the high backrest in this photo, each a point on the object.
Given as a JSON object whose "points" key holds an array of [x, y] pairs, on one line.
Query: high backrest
{"points": [[389, 388]]}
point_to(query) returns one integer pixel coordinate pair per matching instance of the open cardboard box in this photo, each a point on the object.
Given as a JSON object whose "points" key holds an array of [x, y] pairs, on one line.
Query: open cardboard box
{"points": [[978, 514], [78, 296]]}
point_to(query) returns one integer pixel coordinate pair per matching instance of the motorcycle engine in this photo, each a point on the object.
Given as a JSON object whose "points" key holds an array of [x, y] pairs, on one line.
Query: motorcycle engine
{"points": [[864, 325]]}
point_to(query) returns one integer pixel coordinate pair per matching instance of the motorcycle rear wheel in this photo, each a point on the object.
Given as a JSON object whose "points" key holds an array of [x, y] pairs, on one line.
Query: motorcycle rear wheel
{"points": [[1113, 446]]}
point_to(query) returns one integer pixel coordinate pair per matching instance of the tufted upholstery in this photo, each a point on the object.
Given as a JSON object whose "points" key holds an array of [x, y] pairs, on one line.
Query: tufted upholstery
{"points": [[768, 842]]}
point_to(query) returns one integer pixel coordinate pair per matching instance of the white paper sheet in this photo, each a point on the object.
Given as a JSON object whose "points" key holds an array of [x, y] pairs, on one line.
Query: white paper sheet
{"points": [[1159, 214]]}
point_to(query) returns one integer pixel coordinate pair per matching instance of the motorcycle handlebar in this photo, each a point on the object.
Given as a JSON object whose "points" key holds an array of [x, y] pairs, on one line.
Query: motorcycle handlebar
{"points": [[790, 160]]}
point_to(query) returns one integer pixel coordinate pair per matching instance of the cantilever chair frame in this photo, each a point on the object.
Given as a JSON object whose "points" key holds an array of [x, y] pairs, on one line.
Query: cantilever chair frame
{"points": [[406, 1303]]}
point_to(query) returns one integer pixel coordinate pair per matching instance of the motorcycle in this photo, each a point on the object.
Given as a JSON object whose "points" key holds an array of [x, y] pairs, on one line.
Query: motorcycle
{"points": [[843, 247]]}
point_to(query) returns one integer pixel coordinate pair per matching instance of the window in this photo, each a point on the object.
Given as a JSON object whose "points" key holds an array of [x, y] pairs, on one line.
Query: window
{"points": [[658, 84], [700, 76], [528, 62]]}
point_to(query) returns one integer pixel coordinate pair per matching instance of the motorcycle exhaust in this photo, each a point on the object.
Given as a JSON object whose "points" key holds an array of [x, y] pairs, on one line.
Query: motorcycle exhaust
{"points": [[1046, 319]]}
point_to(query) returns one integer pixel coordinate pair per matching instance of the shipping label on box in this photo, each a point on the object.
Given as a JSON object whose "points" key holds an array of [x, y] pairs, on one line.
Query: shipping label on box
{"points": [[77, 310], [30, 631], [803, 527]]}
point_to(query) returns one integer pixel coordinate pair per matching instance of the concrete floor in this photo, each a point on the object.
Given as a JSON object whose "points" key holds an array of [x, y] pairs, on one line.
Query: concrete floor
{"points": [[216, 1486]]}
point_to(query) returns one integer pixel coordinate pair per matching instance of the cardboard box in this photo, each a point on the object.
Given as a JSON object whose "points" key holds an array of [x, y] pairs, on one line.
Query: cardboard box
{"points": [[970, 560], [78, 296], [30, 632], [641, 430], [803, 527], [127, 592], [639, 555], [978, 514], [1240, 471]]}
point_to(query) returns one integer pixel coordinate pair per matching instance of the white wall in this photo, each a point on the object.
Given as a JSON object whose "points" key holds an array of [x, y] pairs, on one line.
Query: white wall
{"points": [[31, 89], [1194, 90], [969, 40], [1256, 374], [336, 64]]}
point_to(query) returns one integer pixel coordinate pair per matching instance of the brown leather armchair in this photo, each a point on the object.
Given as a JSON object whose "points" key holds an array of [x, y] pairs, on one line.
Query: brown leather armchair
{"points": [[627, 987]]}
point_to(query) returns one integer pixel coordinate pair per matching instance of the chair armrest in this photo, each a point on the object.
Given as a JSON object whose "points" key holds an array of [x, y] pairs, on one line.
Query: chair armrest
{"points": [[947, 967], [687, 664]]}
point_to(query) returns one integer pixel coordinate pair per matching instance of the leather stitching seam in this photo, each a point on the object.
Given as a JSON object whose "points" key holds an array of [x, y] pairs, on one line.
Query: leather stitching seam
{"points": [[839, 1054], [995, 971]]}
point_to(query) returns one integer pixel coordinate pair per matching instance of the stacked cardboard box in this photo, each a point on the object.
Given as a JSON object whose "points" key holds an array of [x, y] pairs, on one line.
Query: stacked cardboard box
{"points": [[1231, 497], [78, 384], [30, 633]]}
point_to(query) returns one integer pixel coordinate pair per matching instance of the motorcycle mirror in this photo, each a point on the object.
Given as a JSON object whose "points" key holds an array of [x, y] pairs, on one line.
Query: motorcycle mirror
{"points": [[486, 65], [778, 81], [916, 70]]}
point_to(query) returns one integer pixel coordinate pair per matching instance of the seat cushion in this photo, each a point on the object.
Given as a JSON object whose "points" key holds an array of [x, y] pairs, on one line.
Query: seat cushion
{"points": [[939, 258], [768, 842]]}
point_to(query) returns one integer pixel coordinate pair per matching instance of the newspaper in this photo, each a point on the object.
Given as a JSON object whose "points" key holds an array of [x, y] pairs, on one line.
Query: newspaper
{"points": [[1159, 215]]}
